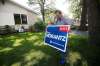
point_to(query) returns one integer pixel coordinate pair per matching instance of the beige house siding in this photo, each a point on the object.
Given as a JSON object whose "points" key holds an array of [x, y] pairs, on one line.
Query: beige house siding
{"points": [[8, 10]]}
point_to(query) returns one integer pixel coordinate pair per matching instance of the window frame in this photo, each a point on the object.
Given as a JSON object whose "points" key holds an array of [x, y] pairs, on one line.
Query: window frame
{"points": [[25, 16], [21, 19]]}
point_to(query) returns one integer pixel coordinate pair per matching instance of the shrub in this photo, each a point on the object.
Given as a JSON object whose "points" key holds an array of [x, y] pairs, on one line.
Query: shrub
{"points": [[73, 27], [6, 30], [9, 29], [31, 28], [38, 26]]}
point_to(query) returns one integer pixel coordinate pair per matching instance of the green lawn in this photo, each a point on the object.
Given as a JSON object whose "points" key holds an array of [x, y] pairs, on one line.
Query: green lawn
{"points": [[28, 49]]}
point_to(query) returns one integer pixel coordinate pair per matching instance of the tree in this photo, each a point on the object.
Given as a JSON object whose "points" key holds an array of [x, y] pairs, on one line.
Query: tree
{"points": [[75, 8], [94, 21], [94, 28], [79, 11], [83, 21], [49, 15], [91, 13], [42, 5]]}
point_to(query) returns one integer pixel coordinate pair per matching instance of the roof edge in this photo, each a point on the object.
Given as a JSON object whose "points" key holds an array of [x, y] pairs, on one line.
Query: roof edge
{"points": [[22, 6]]}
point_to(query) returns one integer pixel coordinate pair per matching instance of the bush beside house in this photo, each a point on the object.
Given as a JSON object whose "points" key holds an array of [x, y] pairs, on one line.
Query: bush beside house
{"points": [[7, 30], [39, 26]]}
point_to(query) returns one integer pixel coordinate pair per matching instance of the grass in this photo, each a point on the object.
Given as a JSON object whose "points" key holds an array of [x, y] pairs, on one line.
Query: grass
{"points": [[28, 49]]}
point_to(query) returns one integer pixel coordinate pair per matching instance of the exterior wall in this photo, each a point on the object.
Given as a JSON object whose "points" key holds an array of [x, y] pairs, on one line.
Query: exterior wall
{"points": [[7, 14], [31, 18], [6, 19]]}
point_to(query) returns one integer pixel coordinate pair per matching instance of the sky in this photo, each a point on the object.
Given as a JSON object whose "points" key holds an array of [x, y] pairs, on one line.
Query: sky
{"points": [[62, 5]]}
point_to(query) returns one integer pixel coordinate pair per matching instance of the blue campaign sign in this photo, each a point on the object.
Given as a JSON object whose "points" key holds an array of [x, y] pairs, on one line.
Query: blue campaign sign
{"points": [[56, 36]]}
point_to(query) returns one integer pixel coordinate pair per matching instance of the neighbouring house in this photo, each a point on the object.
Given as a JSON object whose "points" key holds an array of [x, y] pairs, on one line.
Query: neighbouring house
{"points": [[16, 15]]}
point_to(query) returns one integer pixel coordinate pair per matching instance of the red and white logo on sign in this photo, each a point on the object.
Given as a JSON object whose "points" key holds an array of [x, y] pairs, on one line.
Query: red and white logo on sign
{"points": [[64, 28]]}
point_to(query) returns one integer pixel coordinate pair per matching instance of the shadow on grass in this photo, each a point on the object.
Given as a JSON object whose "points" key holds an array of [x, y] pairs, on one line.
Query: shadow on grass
{"points": [[32, 52], [18, 53], [87, 53], [5, 42]]}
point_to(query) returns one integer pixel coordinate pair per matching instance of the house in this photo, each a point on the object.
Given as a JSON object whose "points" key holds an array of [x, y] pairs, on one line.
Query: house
{"points": [[16, 15]]}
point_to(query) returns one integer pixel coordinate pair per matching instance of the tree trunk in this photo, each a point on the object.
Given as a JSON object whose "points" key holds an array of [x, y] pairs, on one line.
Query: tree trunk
{"points": [[94, 28], [83, 16], [43, 13], [94, 21]]}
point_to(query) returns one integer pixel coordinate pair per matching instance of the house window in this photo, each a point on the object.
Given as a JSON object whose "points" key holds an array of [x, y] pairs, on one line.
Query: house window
{"points": [[24, 19], [20, 19], [17, 18]]}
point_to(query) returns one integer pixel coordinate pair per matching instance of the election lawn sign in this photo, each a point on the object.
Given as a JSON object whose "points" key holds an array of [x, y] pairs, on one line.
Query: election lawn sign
{"points": [[56, 36]]}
